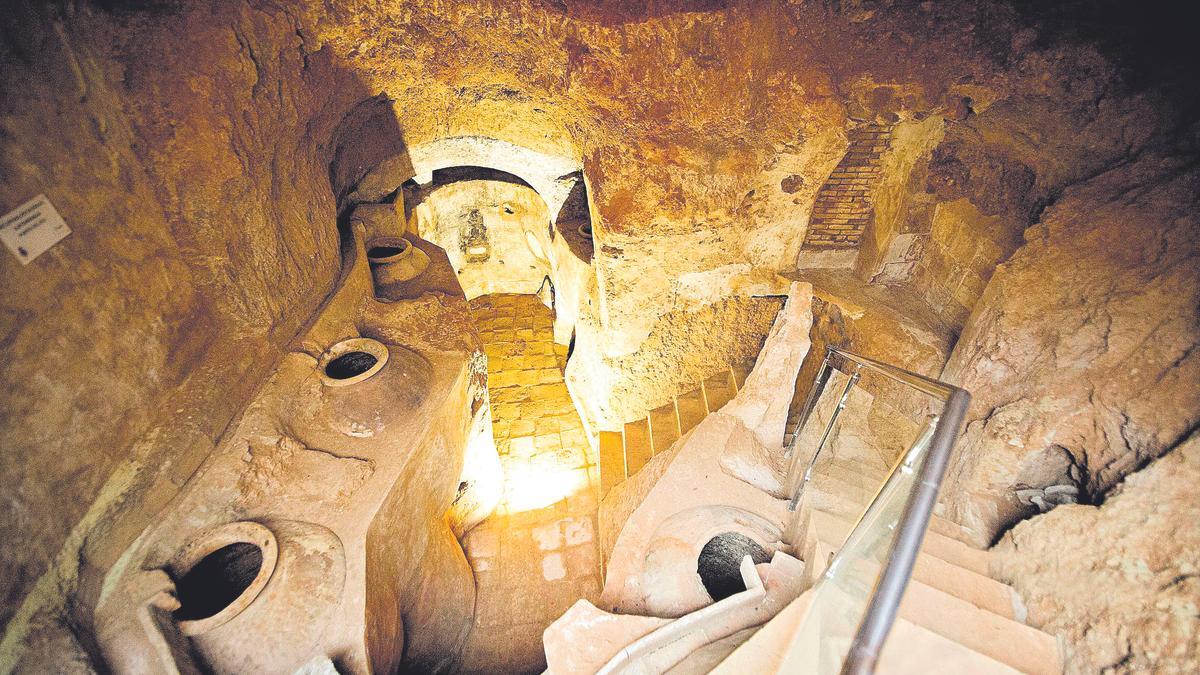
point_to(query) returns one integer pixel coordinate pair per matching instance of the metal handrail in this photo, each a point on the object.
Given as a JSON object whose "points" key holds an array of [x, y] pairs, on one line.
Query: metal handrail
{"points": [[918, 509]]}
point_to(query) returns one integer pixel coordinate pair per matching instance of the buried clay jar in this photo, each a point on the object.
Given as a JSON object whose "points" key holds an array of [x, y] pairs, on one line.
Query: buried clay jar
{"points": [[218, 574], [363, 388], [280, 584], [352, 361], [394, 260]]}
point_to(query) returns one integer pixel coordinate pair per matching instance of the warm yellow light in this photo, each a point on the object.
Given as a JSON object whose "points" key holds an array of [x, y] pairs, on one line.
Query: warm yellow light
{"points": [[532, 485]]}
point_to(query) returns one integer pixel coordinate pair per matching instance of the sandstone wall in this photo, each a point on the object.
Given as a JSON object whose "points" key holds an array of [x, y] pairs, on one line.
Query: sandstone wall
{"points": [[1081, 354], [189, 151], [1119, 581], [192, 149]]}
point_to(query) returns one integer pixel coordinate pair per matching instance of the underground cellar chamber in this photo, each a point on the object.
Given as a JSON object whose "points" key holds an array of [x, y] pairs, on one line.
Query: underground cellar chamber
{"points": [[578, 337]]}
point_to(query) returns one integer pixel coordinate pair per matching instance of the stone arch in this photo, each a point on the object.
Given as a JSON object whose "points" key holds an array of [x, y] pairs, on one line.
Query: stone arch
{"points": [[551, 176]]}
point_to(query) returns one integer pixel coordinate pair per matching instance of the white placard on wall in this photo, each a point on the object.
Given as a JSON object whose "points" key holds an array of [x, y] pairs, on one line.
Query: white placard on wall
{"points": [[32, 228]]}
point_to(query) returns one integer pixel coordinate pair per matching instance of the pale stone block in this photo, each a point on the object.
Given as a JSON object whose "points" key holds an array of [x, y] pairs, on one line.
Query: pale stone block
{"points": [[548, 537], [577, 531], [521, 446], [545, 442], [522, 427], [553, 568]]}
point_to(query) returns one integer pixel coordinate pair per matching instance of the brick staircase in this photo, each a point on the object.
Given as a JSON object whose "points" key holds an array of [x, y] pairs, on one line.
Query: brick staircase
{"points": [[843, 204], [624, 452]]}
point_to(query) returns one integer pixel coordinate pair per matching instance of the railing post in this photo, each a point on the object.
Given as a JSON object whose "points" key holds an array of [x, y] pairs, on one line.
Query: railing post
{"points": [[833, 418], [814, 393]]}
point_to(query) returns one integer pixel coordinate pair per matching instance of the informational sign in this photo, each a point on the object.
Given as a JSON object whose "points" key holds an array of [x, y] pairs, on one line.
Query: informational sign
{"points": [[32, 228]]}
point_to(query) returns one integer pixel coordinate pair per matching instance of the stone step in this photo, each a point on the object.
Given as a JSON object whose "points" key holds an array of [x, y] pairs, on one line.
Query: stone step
{"points": [[980, 590], [861, 490], [664, 427], [1022, 647], [612, 461], [832, 528], [780, 647], [913, 650], [638, 446], [691, 409], [875, 470], [719, 390]]}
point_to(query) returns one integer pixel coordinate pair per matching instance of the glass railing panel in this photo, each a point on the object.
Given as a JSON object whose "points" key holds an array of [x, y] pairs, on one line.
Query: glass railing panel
{"points": [[842, 594]]}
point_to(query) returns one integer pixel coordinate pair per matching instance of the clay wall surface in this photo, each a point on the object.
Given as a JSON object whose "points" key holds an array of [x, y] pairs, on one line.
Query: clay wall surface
{"points": [[1119, 580], [1082, 358]]}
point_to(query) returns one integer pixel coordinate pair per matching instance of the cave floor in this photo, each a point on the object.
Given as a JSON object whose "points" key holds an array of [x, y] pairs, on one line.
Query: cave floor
{"points": [[538, 553]]}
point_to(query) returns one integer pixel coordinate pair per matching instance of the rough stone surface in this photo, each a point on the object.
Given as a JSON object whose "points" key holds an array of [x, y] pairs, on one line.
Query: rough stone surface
{"points": [[203, 153], [189, 152], [1120, 581], [684, 347], [1064, 335]]}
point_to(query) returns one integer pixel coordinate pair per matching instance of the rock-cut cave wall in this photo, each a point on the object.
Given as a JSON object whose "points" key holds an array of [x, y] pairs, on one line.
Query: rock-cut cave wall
{"points": [[201, 155], [189, 151]]}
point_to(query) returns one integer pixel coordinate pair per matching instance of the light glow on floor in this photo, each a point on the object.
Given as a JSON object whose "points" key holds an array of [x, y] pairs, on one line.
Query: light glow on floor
{"points": [[530, 485]]}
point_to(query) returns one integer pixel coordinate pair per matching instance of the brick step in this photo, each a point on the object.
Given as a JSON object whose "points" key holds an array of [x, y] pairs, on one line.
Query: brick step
{"points": [[719, 390], [612, 461], [638, 446], [623, 453], [691, 409], [664, 427]]}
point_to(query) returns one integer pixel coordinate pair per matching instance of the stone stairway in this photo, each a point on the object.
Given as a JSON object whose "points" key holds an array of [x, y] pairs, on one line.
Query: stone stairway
{"points": [[954, 616], [624, 452]]}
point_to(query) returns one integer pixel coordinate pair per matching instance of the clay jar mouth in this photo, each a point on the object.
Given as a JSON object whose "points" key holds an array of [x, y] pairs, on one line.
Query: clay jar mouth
{"points": [[352, 361], [388, 250], [719, 563], [220, 573]]}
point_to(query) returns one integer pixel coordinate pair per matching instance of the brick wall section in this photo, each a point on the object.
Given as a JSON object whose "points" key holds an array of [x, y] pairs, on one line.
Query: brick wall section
{"points": [[843, 204]]}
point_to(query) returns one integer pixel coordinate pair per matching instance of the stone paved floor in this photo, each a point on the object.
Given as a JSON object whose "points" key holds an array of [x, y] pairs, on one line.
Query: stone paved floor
{"points": [[538, 553]]}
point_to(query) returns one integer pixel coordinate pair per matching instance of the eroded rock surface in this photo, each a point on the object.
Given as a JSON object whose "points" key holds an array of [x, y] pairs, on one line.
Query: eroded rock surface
{"points": [[1082, 355], [203, 154], [1120, 581]]}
